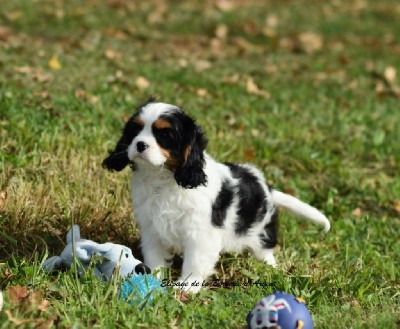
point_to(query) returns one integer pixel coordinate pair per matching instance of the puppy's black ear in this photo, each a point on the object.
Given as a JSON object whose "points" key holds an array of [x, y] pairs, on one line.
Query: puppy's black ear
{"points": [[118, 159], [191, 173]]}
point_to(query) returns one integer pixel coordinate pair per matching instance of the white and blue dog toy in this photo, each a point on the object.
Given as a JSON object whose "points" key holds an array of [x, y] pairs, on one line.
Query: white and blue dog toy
{"points": [[110, 256]]}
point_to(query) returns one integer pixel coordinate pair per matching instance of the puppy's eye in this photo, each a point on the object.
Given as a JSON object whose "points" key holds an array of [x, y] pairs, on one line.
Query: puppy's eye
{"points": [[126, 255], [166, 133]]}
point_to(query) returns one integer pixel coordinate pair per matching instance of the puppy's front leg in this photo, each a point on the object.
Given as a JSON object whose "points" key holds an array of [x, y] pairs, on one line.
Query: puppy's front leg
{"points": [[155, 254], [199, 258]]}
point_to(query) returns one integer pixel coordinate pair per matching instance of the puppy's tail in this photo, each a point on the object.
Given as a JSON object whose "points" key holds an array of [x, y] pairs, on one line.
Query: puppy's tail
{"points": [[300, 209]]}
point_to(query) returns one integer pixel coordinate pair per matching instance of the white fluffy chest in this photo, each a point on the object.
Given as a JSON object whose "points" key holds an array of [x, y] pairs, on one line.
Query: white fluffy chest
{"points": [[168, 211]]}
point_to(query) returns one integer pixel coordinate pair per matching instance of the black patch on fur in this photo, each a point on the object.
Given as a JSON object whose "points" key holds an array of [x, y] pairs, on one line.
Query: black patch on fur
{"points": [[142, 269], [118, 158], [184, 134], [252, 199], [221, 204], [269, 239]]}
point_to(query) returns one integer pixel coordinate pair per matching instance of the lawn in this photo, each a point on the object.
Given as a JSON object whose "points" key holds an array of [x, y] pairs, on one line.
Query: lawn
{"points": [[309, 91]]}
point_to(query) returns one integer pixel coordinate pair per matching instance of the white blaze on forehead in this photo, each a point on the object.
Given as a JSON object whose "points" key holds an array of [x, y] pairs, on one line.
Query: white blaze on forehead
{"points": [[152, 111]]}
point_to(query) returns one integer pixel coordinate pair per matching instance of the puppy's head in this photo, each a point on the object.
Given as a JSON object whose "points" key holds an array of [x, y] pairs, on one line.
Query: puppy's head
{"points": [[160, 134]]}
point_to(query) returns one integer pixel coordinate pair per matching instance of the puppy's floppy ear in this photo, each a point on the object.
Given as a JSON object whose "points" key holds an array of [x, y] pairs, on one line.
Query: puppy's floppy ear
{"points": [[118, 159], [191, 172]]}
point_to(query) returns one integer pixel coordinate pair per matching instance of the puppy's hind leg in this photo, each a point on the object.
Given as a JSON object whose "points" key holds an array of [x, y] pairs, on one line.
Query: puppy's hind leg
{"points": [[263, 248], [265, 255]]}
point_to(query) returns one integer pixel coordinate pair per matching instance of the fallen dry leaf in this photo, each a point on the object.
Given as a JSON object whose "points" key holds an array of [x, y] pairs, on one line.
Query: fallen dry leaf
{"points": [[202, 65], [23, 69], [82, 94], [142, 83], [356, 212], [396, 205], [249, 154], [5, 33], [246, 45], [232, 79], [201, 92], [3, 197], [34, 74], [390, 74], [309, 42], [13, 15], [224, 5], [272, 21], [252, 88], [54, 63], [111, 54], [221, 31], [17, 294]]}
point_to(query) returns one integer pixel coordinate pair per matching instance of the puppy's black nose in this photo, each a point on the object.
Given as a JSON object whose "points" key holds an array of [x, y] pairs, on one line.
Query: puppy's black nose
{"points": [[141, 146], [142, 269]]}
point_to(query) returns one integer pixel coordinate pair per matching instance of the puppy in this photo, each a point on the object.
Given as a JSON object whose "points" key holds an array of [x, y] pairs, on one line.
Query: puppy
{"points": [[186, 202]]}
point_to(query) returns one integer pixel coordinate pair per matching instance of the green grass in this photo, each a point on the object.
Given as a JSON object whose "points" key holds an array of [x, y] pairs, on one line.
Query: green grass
{"points": [[329, 133]]}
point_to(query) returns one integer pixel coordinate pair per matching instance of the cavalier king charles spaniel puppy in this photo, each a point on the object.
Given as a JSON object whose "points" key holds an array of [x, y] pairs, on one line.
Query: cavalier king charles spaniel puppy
{"points": [[186, 202]]}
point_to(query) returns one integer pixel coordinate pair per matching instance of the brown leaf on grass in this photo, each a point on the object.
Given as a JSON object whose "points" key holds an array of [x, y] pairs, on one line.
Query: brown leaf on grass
{"points": [[396, 205], [23, 69], [251, 28], [13, 15], [23, 298], [272, 21], [357, 212], [3, 197], [231, 79], [201, 92], [390, 74], [17, 294], [309, 42], [111, 54], [5, 33], [33, 73], [306, 42], [247, 46], [252, 88], [142, 83], [224, 5], [386, 81], [202, 65], [42, 94], [221, 32], [82, 94], [249, 154]]}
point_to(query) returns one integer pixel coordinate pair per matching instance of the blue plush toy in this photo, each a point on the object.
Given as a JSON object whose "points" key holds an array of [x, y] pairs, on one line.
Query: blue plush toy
{"points": [[280, 311], [139, 285], [112, 257], [140, 289]]}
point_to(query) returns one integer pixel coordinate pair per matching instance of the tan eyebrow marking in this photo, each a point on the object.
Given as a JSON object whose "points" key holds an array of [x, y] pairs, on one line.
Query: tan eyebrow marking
{"points": [[162, 124], [138, 120]]}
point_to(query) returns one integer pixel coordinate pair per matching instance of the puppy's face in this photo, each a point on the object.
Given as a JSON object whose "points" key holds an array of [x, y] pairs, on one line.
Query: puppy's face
{"points": [[160, 134]]}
